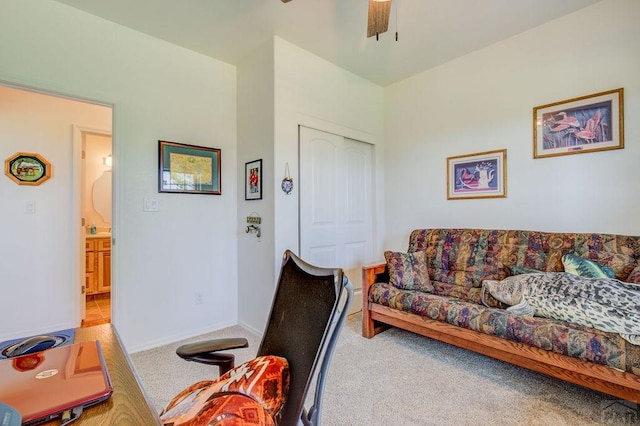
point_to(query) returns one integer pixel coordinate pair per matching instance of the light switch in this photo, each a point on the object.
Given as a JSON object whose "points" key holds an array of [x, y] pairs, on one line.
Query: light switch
{"points": [[29, 207], [150, 205]]}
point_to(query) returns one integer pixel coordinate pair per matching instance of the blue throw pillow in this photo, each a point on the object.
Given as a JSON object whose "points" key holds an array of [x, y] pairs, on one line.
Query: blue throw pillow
{"points": [[586, 268]]}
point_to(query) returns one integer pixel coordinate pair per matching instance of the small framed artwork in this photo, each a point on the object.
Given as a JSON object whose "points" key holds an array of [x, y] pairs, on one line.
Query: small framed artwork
{"points": [[481, 175], [25, 168], [253, 180], [575, 126], [188, 169]]}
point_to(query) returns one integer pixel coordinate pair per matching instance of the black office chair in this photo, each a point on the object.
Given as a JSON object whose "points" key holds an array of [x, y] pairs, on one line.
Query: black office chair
{"points": [[307, 314]]}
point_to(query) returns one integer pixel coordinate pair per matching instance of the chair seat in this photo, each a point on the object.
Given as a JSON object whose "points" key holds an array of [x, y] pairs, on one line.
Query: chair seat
{"points": [[253, 391], [231, 409]]}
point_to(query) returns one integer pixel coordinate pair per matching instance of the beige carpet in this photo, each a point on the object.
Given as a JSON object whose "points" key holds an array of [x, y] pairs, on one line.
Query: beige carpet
{"points": [[399, 378]]}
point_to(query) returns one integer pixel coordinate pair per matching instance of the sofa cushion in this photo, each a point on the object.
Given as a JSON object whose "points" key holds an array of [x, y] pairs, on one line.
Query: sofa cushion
{"points": [[256, 389], [408, 270], [468, 294], [518, 270], [558, 336], [585, 268], [634, 276], [228, 409], [462, 257], [468, 256], [619, 252]]}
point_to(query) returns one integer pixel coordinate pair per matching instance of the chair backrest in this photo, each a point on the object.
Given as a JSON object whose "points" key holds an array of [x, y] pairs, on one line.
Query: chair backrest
{"points": [[307, 313]]}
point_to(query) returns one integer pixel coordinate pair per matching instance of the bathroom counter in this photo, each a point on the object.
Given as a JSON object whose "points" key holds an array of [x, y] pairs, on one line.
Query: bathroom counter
{"points": [[98, 235]]}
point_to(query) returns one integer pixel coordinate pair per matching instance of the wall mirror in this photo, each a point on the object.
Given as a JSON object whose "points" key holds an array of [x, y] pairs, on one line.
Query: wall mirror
{"points": [[101, 195]]}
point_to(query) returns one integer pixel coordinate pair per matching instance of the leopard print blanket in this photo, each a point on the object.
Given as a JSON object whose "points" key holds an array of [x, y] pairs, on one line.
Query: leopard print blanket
{"points": [[604, 304]]}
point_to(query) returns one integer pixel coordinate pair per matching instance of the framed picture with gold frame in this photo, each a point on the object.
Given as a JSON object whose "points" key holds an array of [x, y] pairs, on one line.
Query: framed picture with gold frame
{"points": [[579, 125], [480, 175], [26, 168], [188, 168]]}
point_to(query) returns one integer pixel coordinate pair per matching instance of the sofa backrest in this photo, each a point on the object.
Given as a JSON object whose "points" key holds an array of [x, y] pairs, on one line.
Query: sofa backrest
{"points": [[464, 257]]}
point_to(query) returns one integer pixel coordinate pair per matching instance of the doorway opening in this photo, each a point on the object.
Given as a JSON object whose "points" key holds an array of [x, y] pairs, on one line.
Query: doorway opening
{"points": [[96, 164], [48, 123]]}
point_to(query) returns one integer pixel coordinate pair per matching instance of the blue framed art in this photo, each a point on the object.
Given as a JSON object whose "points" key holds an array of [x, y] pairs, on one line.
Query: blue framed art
{"points": [[480, 175], [188, 169]]}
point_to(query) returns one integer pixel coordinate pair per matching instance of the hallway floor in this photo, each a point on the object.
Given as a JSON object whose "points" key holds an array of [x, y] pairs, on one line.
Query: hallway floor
{"points": [[98, 310]]}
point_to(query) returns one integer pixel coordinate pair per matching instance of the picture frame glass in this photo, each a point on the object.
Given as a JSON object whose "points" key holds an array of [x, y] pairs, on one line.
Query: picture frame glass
{"points": [[253, 180], [188, 168], [481, 175], [27, 168], [585, 124]]}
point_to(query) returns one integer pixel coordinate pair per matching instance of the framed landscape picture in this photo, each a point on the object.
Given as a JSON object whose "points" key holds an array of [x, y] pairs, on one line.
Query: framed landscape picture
{"points": [[253, 180], [480, 175], [188, 169], [575, 126]]}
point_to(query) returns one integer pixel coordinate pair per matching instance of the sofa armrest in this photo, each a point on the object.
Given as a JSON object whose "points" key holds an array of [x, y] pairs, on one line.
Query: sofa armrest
{"points": [[374, 272], [371, 273]]}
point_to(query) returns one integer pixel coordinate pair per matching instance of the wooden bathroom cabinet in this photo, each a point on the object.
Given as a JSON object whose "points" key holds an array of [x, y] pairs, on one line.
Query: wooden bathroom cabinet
{"points": [[98, 265]]}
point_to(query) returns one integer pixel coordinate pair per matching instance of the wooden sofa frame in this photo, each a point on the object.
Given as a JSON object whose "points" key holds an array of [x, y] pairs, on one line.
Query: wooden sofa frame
{"points": [[377, 318]]}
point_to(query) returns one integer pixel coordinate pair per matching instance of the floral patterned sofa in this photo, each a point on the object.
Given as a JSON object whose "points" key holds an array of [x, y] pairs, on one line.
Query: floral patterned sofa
{"points": [[451, 310]]}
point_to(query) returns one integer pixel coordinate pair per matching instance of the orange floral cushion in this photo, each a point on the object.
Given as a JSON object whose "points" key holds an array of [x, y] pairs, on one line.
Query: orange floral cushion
{"points": [[252, 393]]}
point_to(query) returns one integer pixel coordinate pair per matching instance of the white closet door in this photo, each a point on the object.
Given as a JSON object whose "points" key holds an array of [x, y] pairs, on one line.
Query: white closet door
{"points": [[336, 204]]}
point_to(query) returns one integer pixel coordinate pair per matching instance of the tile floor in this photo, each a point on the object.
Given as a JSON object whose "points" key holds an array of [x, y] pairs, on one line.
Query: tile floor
{"points": [[98, 310]]}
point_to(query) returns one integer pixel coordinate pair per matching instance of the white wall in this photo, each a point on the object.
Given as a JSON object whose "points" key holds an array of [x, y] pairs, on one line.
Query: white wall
{"points": [[312, 92], [484, 101], [35, 270], [159, 91], [255, 141], [299, 89]]}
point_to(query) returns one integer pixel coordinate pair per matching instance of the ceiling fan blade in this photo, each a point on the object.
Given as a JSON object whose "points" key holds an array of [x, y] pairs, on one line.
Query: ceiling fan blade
{"points": [[286, 1], [378, 17]]}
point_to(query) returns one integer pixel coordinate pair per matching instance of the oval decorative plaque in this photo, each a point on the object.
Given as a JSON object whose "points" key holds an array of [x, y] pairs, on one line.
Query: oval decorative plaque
{"points": [[26, 168]]}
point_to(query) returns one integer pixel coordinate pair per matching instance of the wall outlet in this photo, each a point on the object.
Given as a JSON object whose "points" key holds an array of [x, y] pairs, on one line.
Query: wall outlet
{"points": [[199, 298]]}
